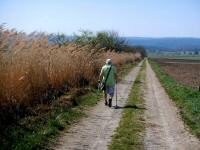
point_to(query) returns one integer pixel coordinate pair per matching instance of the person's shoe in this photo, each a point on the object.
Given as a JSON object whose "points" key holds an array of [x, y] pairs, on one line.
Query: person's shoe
{"points": [[106, 103], [110, 102]]}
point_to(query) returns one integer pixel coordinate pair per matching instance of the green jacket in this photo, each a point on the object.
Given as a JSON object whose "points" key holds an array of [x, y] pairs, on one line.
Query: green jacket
{"points": [[112, 75]]}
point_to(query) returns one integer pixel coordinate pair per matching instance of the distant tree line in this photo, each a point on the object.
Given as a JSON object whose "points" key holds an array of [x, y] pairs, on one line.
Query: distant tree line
{"points": [[108, 40]]}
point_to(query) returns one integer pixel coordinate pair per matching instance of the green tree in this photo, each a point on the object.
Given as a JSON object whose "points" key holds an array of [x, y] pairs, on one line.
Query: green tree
{"points": [[59, 39]]}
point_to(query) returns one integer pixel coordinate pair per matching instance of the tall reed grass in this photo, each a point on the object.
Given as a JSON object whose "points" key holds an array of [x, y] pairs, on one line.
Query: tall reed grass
{"points": [[31, 69]]}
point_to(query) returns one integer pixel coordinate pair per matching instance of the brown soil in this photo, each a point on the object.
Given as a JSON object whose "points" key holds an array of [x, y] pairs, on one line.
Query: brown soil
{"points": [[187, 73]]}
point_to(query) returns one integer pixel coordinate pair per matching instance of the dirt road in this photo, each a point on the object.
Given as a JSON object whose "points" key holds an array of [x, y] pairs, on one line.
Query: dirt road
{"points": [[165, 130], [95, 131]]}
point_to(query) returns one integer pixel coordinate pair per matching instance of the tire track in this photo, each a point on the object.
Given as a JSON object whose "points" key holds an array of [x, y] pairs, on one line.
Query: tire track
{"points": [[95, 131], [164, 129]]}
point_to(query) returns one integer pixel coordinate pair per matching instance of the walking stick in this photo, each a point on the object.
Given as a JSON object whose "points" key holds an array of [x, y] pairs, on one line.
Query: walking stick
{"points": [[116, 96]]}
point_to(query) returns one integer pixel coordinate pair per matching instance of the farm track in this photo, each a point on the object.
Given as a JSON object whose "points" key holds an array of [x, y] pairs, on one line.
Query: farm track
{"points": [[164, 128], [95, 131]]}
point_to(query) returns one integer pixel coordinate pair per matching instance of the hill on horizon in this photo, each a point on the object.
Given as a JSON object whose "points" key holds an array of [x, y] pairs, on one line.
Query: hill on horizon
{"points": [[166, 44]]}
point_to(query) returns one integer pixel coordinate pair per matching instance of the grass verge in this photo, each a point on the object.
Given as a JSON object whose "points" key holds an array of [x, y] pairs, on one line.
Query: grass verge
{"points": [[33, 132], [129, 134], [36, 130], [186, 98]]}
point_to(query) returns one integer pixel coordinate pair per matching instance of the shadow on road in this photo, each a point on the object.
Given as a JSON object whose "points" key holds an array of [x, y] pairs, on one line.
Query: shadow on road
{"points": [[129, 106]]}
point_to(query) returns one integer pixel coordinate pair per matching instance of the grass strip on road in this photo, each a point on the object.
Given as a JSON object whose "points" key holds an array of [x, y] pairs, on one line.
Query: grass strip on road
{"points": [[129, 134], [186, 98]]}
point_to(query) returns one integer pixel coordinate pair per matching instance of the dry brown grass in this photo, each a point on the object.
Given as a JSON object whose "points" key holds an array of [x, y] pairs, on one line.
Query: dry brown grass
{"points": [[30, 69]]}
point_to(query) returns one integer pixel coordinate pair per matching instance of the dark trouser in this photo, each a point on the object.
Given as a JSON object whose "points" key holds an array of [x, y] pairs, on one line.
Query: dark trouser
{"points": [[109, 91]]}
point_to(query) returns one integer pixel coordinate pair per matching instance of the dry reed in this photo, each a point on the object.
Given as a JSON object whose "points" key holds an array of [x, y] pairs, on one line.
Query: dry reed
{"points": [[31, 68]]}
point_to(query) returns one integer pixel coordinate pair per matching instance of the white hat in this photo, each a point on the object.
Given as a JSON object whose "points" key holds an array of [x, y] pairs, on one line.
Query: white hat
{"points": [[108, 61]]}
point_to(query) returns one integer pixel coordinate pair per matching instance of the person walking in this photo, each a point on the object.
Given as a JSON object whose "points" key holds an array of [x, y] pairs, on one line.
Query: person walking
{"points": [[109, 75]]}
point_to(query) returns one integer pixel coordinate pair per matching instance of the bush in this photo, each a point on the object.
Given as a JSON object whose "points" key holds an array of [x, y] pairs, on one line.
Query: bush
{"points": [[106, 40], [135, 49], [58, 39]]}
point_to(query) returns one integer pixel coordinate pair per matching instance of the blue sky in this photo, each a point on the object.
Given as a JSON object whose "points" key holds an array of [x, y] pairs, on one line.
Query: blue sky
{"points": [[142, 18]]}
